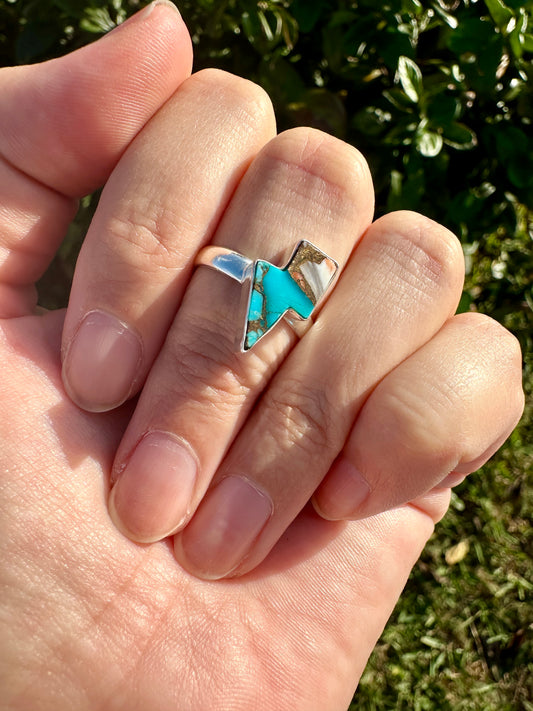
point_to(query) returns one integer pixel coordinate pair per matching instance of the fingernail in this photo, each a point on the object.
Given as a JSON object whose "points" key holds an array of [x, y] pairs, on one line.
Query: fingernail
{"points": [[143, 14], [152, 495], [343, 491], [151, 7], [224, 529], [453, 479], [102, 362]]}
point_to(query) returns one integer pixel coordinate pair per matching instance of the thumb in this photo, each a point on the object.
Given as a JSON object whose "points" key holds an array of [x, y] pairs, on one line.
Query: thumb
{"points": [[66, 122], [64, 125]]}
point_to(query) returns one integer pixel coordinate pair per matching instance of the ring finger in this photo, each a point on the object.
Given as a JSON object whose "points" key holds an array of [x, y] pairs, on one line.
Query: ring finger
{"points": [[401, 284]]}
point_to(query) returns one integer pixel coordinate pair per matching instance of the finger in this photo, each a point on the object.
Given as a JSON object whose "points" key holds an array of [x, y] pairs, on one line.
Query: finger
{"points": [[445, 409], [64, 125], [434, 503], [403, 281], [105, 92], [303, 184], [161, 204]]}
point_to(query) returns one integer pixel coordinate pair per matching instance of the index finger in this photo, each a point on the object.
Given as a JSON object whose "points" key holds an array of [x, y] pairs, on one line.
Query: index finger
{"points": [[163, 201]]}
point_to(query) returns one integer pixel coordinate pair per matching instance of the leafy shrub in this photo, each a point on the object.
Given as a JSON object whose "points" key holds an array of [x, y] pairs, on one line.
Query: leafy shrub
{"points": [[438, 95]]}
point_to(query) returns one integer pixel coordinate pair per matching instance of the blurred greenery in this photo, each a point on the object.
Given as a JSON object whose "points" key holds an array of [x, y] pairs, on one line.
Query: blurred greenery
{"points": [[438, 95]]}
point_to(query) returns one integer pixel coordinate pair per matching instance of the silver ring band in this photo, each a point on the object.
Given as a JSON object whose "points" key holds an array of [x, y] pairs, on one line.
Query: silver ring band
{"points": [[226, 261], [291, 292]]}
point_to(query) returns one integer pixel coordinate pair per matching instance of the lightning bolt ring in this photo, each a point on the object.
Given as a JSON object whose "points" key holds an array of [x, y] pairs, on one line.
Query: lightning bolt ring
{"points": [[273, 293]]}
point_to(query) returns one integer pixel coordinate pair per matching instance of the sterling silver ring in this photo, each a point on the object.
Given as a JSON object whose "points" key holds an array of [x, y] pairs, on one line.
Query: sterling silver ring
{"points": [[272, 293]]}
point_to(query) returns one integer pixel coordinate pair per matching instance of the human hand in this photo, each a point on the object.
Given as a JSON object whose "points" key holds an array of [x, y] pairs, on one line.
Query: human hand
{"points": [[385, 398], [89, 619]]}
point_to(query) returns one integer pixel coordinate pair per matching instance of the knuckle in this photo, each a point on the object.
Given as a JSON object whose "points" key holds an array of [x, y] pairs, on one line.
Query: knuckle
{"points": [[434, 503], [492, 337], [209, 366], [238, 95], [144, 233], [500, 354], [202, 371], [414, 428], [339, 167], [507, 345], [427, 253], [300, 417]]}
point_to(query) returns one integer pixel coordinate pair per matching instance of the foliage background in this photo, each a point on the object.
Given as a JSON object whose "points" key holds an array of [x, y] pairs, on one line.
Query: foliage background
{"points": [[438, 94]]}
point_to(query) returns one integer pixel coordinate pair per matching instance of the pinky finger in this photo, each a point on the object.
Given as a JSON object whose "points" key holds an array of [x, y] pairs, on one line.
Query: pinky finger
{"points": [[438, 416]]}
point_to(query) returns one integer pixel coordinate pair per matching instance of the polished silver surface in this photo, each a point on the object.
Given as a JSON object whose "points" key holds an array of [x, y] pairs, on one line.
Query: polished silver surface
{"points": [[227, 261]]}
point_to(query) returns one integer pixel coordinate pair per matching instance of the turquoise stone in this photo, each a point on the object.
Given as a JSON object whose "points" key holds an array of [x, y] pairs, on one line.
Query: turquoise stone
{"points": [[274, 292]]}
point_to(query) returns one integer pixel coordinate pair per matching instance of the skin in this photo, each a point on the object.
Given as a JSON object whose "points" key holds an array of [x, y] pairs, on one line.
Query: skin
{"points": [[92, 620]]}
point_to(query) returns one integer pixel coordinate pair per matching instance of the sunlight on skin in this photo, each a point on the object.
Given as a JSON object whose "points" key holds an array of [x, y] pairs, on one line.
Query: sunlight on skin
{"points": [[126, 619], [90, 620]]}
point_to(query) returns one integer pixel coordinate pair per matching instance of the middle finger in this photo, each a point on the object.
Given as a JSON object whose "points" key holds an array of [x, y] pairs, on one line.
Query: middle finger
{"points": [[303, 185]]}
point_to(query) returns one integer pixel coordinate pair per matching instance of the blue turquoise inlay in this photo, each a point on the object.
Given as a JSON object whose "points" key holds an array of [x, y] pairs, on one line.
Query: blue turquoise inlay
{"points": [[274, 292]]}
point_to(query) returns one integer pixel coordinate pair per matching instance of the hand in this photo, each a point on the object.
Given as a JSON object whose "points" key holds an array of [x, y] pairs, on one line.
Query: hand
{"points": [[386, 397], [89, 619]]}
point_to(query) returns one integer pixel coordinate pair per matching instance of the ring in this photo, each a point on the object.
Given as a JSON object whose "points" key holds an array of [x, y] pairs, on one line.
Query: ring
{"points": [[273, 293]]}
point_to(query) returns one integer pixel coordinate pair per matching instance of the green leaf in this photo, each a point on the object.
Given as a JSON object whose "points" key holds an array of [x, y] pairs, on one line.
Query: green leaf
{"points": [[516, 39], [267, 30], [342, 17], [396, 181], [371, 121], [449, 19], [500, 13], [410, 78], [321, 109], [527, 43], [412, 6], [34, 41], [519, 173], [408, 188], [251, 26], [97, 20], [510, 141], [307, 13], [393, 45], [429, 143], [472, 36], [443, 109], [398, 99], [459, 136], [282, 81]]}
